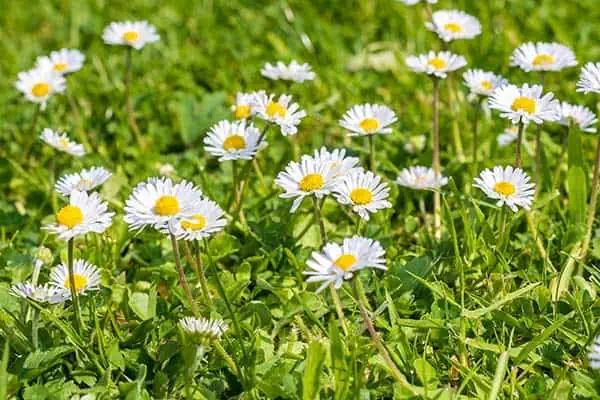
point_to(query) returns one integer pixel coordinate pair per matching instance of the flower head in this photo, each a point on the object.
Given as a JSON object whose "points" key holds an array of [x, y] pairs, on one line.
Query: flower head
{"points": [[233, 141], [245, 105], [85, 275], [205, 218], [338, 263], [157, 201], [543, 57], [368, 119], [39, 84], [525, 104], [594, 354], [483, 83], [420, 178], [583, 117], [436, 64], [130, 33], [85, 213], [279, 111], [508, 186], [83, 181], [292, 72], [451, 25], [203, 330], [339, 163], [61, 141], [40, 293], [63, 61], [508, 136], [589, 80], [364, 191]]}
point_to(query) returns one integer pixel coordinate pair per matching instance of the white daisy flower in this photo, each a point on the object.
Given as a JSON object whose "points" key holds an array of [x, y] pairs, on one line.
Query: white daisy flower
{"points": [[131, 33], [85, 275], [63, 61], [420, 178], [594, 354], [368, 119], [293, 72], [508, 136], [589, 80], [61, 141], [525, 104], [39, 84], [364, 191], [281, 111], [85, 213], [436, 64], [308, 177], [233, 141], [39, 293], [583, 117], [482, 82], [339, 163], [158, 200], [508, 186], [202, 220], [543, 57], [203, 330], [451, 25], [84, 181], [338, 263], [244, 106], [413, 2]]}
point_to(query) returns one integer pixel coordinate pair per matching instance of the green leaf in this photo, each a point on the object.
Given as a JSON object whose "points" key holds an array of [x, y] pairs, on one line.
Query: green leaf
{"points": [[576, 179], [426, 373], [143, 305], [337, 352], [223, 245], [114, 356], [311, 381]]}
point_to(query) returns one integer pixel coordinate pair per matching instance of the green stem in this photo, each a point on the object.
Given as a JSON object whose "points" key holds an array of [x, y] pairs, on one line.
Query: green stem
{"points": [[78, 321], [453, 106], [34, 328], [372, 152], [518, 161], [502, 230], [478, 106], [182, 279], [592, 207], [437, 223]]}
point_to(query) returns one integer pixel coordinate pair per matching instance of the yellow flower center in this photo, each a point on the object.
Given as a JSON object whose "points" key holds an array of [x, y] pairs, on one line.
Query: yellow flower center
{"points": [[242, 111], [131, 36], [452, 27], [543, 59], [234, 142], [526, 104], [69, 216], [504, 188], [276, 110], [198, 223], [345, 261], [369, 125], [63, 143], [166, 205], [60, 67], [40, 89], [311, 182], [487, 85], [361, 196], [437, 63], [80, 282]]}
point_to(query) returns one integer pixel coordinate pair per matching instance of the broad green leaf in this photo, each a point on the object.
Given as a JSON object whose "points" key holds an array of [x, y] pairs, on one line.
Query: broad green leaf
{"points": [[313, 370]]}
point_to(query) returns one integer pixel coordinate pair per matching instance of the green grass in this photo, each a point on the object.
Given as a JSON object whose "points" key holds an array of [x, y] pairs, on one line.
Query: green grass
{"points": [[501, 332]]}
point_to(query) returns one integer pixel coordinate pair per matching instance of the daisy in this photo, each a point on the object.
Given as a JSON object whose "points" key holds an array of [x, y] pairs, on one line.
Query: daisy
{"points": [[339, 163], [61, 141], [525, 104], [281, 111], [483, 83], [158, 200], [85, 213], [368, 119], [131, 33], [39, 84], [451, 25], [244, 106], [420, 178], [436, 64], [85, 275], [63, 61], [293, 72], [508, 185], [594, 354], [203, 330], [364, 191], [543, 57], [581, 116], [508, 136], [84, 181], [39, 293], [589, 80], [310, 176], [233, 141], [203, 219], [338, 263]]}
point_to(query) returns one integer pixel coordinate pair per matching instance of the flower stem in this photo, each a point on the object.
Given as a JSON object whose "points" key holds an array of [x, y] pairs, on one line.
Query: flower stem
{"points": [[320, 220], [182, 278], [198, 268], [477, 114], [453, 106], [436, 158], [592, 207], [34, 327], [128, 103], [74, 296], [372, 152], [518, 162]]}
